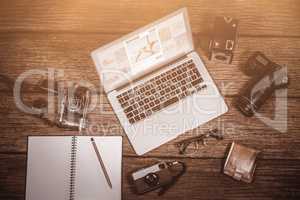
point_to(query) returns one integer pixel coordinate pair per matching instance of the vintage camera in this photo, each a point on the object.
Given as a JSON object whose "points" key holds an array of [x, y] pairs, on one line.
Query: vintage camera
{"points": [[267, 77], [73, 108], [161, 175], [224, 40], [68, 108]]}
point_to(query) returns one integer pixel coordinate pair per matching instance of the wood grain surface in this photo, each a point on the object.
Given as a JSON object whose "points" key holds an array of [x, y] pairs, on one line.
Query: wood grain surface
{"points": [[258, 17], [60, 35], [274, 180], [60, 52]]}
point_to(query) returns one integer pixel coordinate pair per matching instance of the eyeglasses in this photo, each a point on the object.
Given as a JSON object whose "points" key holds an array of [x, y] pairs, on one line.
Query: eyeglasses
{"points": [[194, 144]]}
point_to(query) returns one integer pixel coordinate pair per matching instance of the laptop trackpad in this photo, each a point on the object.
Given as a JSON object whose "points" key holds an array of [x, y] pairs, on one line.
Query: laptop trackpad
{"points": [[174, 120]]}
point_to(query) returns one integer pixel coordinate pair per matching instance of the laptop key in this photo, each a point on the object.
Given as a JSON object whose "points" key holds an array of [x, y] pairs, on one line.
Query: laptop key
{"points": [[148, 113], [125, 104], [156, 102], [170, 101], [196, 82], [181, 96], [135, 106], [137, 118], [156, 108], [129, 109], [140, 110], [121, 100], [135, 112], [129, 115], [131, 101], [142, 115]]}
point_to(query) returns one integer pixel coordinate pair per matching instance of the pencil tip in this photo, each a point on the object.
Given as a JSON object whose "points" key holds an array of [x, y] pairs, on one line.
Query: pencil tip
{"points": [[92, 139]]}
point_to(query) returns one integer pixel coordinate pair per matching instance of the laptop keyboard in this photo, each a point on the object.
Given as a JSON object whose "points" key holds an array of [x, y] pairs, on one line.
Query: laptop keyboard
{"points": [[161, 91]]}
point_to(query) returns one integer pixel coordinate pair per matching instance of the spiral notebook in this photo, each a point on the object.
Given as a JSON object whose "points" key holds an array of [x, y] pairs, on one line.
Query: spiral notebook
{"points": [[67, 168]]}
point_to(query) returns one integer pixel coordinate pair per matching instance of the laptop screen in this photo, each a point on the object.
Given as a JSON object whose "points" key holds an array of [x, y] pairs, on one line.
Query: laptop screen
{"points": [[143, 49]]}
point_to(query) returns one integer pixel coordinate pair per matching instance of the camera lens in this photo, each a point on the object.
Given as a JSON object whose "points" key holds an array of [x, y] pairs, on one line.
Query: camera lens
{"points": [[161, 166], [152, 179]]}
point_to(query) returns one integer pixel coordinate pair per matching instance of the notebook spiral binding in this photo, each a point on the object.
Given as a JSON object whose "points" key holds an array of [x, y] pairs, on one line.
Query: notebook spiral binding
{"points": [[73, 168]]}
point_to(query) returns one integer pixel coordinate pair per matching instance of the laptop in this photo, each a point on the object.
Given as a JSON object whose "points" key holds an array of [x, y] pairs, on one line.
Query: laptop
{"points": [[156, 82]]}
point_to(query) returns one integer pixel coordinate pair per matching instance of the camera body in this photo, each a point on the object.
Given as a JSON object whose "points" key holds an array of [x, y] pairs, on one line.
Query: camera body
{"points": [[224, 40], [267, 77], [69, 108], [160, 175]]}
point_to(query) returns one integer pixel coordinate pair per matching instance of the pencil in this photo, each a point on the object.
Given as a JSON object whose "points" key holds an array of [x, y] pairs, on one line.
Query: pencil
{"points": [[101, 163]]}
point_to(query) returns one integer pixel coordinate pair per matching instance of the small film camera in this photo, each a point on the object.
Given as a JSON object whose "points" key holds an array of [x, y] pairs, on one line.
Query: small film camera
{"points": [[161, 175], [267, 77], [73, 108], [69, 107], [224, 40]]}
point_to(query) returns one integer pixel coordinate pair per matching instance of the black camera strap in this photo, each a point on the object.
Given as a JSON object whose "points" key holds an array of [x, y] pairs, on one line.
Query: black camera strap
{"points": [[176, 173]]}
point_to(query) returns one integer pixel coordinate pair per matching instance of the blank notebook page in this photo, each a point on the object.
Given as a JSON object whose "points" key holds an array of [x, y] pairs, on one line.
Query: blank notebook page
{"points": [[48, 168], [90, 182]]}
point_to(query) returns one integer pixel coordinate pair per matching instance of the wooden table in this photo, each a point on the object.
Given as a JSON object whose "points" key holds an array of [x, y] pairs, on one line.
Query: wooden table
{"points": [[60, 34]]}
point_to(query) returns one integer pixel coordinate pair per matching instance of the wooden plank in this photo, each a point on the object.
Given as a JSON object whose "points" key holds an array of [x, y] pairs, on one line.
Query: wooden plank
{"points": [[259, 17], [12, 176], [203, 180], [16, 126], [70, 53]]}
